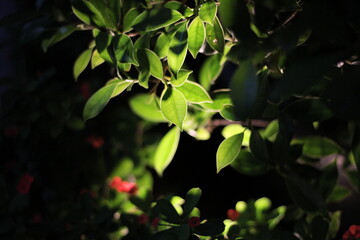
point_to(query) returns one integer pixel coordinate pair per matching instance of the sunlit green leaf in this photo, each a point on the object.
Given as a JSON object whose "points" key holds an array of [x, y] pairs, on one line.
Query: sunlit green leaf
{"points": [[215, 36], [60, 34], [207, 11], [210, 70], [162, 45], [100, 98], [144, 106], [149, 61], [191, 200], [96, 59], [81, 62], [166, 150], [181, 77], [124, 49], [244, 89], [178, 49], [220, 100], [103, 41], [129, 19], [228, 113], [228, 151], [173, 106], [155, 18], [232, 129], [196, 32], [194, 92], [180, 7], [144, 76]]}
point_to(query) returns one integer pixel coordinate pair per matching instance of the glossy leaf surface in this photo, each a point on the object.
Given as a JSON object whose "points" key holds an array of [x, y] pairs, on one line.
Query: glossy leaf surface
{"points": [[173, 106], [178, 49], [196, 32], [194, 92], [228, 151]]}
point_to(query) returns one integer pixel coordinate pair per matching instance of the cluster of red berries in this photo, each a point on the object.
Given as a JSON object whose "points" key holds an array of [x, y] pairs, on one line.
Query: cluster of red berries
{"points": [[352, 233], [123, 186]]}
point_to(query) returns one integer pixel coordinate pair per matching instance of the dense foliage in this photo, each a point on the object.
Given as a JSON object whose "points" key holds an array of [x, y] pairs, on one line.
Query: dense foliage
{"points": [[280, 77]]}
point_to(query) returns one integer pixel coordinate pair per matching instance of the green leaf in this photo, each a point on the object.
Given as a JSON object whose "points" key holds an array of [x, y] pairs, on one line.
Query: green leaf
{"points": [[210, 70], [181, 77], [194, 92], [173, 106], [191, 200], [162, 45], [243, 87], [211, 227], [303, 194], [178, 49], [60, 34], [258, 147], [144, 76], [196, 32], [142, 42], [144, 105], [220, 100], [95, 14], [228, 150], [124, 49], [81, 62], [100, 98], [81, 11], [96, 59], [339, 194], [183, 232], [149, 61], [215, 36], [166, 150], [328, 180], [103, 41], [207, 11], [228, 113], [155, 18], [129, 18], [165, 208], [317, 146], [245, 163], [180, 7], [232, 129]]}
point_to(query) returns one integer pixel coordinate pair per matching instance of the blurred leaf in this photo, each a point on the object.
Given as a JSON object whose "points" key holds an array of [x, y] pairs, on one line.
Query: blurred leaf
{"points": [[194, 92], [339, 194], [81, 62], [210, 70], [180, 7], [124, 49], [183, 232], [247, 164], [215, 36], [334, 225], [303, 194], [123, 168], [228, 150], [178, 49], [258, 147], [60, 34], [196, 32], [96, 59], [271, 130], [356, 151], [166, 150], [310, 110], [317, 146], [173, 106], [100, 98], [328, 180], [149, 61], [228, 113], [144, 105], [191, 200], [181, 77], [244, 88], [211, 227], [319, 228], [207, 11], [234, 15], [155, 18]]}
